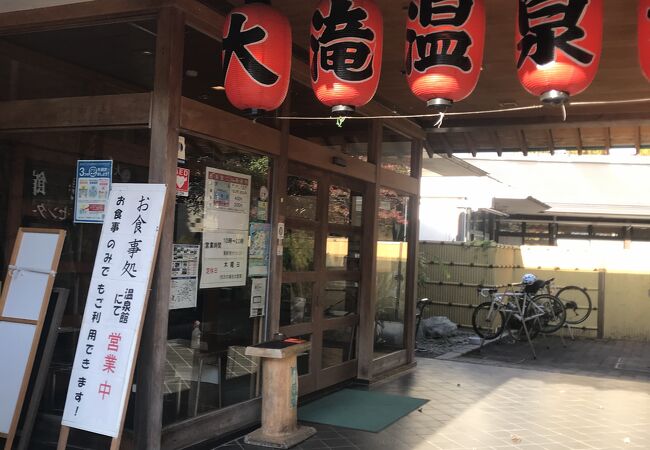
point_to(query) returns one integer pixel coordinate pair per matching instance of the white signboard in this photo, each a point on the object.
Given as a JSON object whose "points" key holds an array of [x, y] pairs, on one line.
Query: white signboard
{"points": [[224, 258], [227, 200], [258, 297], [103, 366], [225, 229], [185, 276]]}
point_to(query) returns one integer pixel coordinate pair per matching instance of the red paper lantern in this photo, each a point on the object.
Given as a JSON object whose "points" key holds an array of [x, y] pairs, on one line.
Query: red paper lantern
{"points": [[644, 36], [558, 46], [444, 49], [345, 53], [256, 57]]}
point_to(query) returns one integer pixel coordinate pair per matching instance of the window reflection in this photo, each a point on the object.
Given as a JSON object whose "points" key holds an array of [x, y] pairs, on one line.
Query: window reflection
{"points": [[302, 195], [392, 255], [343, 252], [340, 298], [339, 346], [396, 152], [295, 303], [298, 253]]}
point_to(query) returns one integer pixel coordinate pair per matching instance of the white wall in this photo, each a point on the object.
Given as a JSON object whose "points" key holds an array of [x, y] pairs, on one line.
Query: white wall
{"points": [[16, 5]]}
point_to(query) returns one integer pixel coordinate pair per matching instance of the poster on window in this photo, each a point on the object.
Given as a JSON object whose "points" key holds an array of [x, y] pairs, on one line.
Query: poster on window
{"points": [[103, 365], [260, 247], [91, 190], [224, 256], [185, 276], [227, 200]]}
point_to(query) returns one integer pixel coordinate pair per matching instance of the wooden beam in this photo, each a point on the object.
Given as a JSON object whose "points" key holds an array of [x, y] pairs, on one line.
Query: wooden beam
{"points": [[121, 110], [399, 182], [579, 141], [165, 122], [608, 140], [206, 120], [446, 145], [637, 140], [77, 13], [469, 142], [461, 125], [523, 144], [497, 143], [551, 143]]}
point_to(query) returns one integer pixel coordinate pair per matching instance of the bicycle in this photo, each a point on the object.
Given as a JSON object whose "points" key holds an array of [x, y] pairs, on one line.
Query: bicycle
{"points": [[534, 313], [576, 301]]}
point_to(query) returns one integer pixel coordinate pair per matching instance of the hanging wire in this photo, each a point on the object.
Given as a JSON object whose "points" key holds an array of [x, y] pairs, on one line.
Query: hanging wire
{"points": [[441, 116]]}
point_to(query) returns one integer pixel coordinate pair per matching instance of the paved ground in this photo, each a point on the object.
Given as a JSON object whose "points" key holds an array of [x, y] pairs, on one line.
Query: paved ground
{"points": [[484, 406], [611, 358]]}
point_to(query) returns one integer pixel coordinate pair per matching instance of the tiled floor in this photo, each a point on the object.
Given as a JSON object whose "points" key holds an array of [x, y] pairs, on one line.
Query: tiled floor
{"points": [[486, 407]]}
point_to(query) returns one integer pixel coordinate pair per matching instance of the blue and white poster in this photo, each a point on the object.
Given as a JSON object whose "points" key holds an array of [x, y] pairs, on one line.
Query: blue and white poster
{"points": [[92, 189]]}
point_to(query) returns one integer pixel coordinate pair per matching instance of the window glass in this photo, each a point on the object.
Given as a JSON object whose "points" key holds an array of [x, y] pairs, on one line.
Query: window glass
{"points": [[340, 298], [302, 197], [210, 323], [296, 303], [392, 256], [298, 253], [37, 189], [396, 152], [105, 59], [339, 346], [343, 252]]}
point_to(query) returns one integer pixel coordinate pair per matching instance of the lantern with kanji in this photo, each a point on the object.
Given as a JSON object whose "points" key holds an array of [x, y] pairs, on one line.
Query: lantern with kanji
{"points": [[644, 37], [346, 40], [444, 49], [558, 46], [256, 57]]}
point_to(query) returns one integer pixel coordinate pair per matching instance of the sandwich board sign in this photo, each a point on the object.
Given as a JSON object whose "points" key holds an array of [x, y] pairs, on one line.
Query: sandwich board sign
{"points": [[102, 372]]}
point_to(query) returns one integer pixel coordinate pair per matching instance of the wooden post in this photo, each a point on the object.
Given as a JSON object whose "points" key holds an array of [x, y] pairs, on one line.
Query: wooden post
{"points": [[279, 193], [413, 255], [369, 259], [165, 120]]}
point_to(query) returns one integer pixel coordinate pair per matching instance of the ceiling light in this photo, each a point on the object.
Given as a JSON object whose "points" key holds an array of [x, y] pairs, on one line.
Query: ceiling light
{"points": [[218, 88]]}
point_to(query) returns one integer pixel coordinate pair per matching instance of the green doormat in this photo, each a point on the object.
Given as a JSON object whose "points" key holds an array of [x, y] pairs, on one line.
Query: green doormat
{"points": [[360, 410]]}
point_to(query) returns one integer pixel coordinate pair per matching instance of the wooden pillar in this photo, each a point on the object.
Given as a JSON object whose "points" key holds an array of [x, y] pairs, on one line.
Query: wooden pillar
{"points": [[278, 198], [413, 235], [165, 120], [369, 258]]}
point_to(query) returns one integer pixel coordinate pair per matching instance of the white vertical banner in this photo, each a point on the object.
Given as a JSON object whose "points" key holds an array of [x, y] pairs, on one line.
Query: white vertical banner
{"points": [[101, 374]]}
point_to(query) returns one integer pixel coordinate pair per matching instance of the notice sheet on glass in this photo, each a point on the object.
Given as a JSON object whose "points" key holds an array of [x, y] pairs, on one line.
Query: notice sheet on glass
{"points": [[258, 297], [225, 229], [260, 247], [92, 188], [100, 381], [185, 276]]}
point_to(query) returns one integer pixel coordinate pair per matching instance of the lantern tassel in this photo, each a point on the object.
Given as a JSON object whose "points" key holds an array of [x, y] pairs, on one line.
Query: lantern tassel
{"points": [[441, 118]]}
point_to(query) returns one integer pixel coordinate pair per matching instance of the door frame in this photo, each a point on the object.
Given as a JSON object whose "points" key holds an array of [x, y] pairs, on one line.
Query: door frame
{"points": [[318, 378]]}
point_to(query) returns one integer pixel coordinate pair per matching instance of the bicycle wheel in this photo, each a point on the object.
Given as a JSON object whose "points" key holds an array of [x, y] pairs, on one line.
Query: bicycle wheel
{"points": [[577, 303], [488, 321], [554, 314]]}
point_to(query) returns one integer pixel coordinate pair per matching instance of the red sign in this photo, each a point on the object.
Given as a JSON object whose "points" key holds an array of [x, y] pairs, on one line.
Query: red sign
{"points": [[182, 182]]}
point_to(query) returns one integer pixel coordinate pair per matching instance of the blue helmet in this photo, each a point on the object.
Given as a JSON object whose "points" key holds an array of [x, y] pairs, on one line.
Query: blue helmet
{"points": [[529, 278]]}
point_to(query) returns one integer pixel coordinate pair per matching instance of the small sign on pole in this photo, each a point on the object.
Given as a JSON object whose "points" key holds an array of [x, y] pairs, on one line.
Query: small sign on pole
{"points": [[102, 372]]}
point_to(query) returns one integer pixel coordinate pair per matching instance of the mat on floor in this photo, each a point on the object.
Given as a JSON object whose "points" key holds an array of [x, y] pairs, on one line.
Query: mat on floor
{"points": [[360, 410]]}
